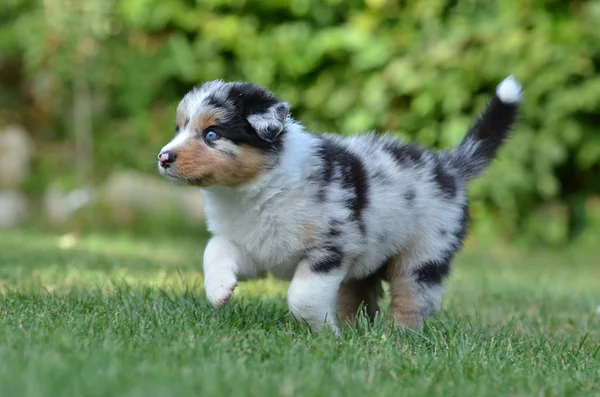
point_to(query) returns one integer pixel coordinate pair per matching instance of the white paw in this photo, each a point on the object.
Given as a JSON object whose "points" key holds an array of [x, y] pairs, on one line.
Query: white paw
{"points": [[219, 288]]}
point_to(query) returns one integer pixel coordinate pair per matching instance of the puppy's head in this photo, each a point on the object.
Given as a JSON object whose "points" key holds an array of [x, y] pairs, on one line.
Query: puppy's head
{"points": [[225, 134]]}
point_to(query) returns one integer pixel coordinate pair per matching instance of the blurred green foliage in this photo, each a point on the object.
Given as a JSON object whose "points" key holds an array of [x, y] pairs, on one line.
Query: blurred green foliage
{"points": [[422, 69]]}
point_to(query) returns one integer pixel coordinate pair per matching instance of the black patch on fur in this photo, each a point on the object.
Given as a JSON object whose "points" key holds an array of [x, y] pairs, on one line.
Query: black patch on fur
{"points": [[243, 100], [333, 232], [410, 195], [331, 260], [327, 151], [490, 131], [444, 181], [352, 174], [355, 177], [461, 233], [217, 101], [335, 229], [405, 155], [433, 272]]}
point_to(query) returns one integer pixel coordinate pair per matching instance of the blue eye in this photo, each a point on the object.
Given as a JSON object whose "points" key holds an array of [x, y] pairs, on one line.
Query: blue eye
{"points": [[211, 135]]}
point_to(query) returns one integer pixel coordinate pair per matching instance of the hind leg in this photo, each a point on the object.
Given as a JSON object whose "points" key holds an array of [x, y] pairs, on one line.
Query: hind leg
{"points": [[354, 293], [416, 286]]}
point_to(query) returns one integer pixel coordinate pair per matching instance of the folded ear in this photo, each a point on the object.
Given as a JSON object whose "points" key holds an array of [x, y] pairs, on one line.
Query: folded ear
{"points": [[269, 123]]}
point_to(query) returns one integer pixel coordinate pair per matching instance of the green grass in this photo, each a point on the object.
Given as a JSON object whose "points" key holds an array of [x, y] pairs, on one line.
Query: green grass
{"points": [[116, 316]]}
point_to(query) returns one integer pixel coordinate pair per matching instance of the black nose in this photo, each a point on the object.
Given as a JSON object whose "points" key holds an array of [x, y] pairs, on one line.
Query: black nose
{"points": [[166, 158]]}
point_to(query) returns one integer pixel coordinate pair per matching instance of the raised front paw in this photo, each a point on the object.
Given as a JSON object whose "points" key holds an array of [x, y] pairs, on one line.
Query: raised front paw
{"points": [[219, 288]]}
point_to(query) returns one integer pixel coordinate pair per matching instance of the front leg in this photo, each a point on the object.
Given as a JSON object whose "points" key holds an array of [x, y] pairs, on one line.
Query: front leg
{"points": [[222, 260], [313, 291]]}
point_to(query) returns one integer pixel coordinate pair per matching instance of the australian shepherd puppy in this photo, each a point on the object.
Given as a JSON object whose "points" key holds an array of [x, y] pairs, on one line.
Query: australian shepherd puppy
{"points": [[335, 215]]}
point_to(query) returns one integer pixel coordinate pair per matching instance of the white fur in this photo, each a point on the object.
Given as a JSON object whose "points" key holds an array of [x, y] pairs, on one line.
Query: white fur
{"points": [[509, 90], [312, 296], [221, 258], [179, 140]]}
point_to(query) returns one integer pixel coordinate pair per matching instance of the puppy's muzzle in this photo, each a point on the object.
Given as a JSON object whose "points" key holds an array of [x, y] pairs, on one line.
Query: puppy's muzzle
{"points": [[166, 158]]}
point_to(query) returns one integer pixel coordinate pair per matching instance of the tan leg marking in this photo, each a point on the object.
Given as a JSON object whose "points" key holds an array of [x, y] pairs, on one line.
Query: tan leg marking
{"points": [[307, 233], [352, 294], [404, 302]]}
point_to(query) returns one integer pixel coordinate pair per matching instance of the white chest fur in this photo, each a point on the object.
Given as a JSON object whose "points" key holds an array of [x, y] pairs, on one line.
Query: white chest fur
{"points": [[269, 220], [268, 230]]}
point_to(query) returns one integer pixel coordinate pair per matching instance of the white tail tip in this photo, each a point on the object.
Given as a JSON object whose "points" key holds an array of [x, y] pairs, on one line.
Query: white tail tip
{"points": [[509, 90]]}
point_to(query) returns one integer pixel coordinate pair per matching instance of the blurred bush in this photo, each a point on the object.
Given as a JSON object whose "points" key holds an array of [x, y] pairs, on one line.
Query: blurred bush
{"points": [[97, 82]]}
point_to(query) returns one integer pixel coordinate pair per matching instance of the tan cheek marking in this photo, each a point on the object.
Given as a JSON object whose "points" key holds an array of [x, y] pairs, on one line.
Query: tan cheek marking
{"points": [[197, 161], [245, 166]]}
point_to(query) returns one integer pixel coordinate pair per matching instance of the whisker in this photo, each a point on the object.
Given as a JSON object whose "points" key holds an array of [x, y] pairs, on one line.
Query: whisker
{"points": [[150, 166]]}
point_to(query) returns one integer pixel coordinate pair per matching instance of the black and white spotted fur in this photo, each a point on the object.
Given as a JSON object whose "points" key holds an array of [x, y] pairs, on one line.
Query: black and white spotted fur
{"points": [[327, 209]]}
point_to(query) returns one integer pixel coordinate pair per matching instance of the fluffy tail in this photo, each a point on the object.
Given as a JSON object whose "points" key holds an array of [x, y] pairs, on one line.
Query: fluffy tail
{"points": [[479, 146]]}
